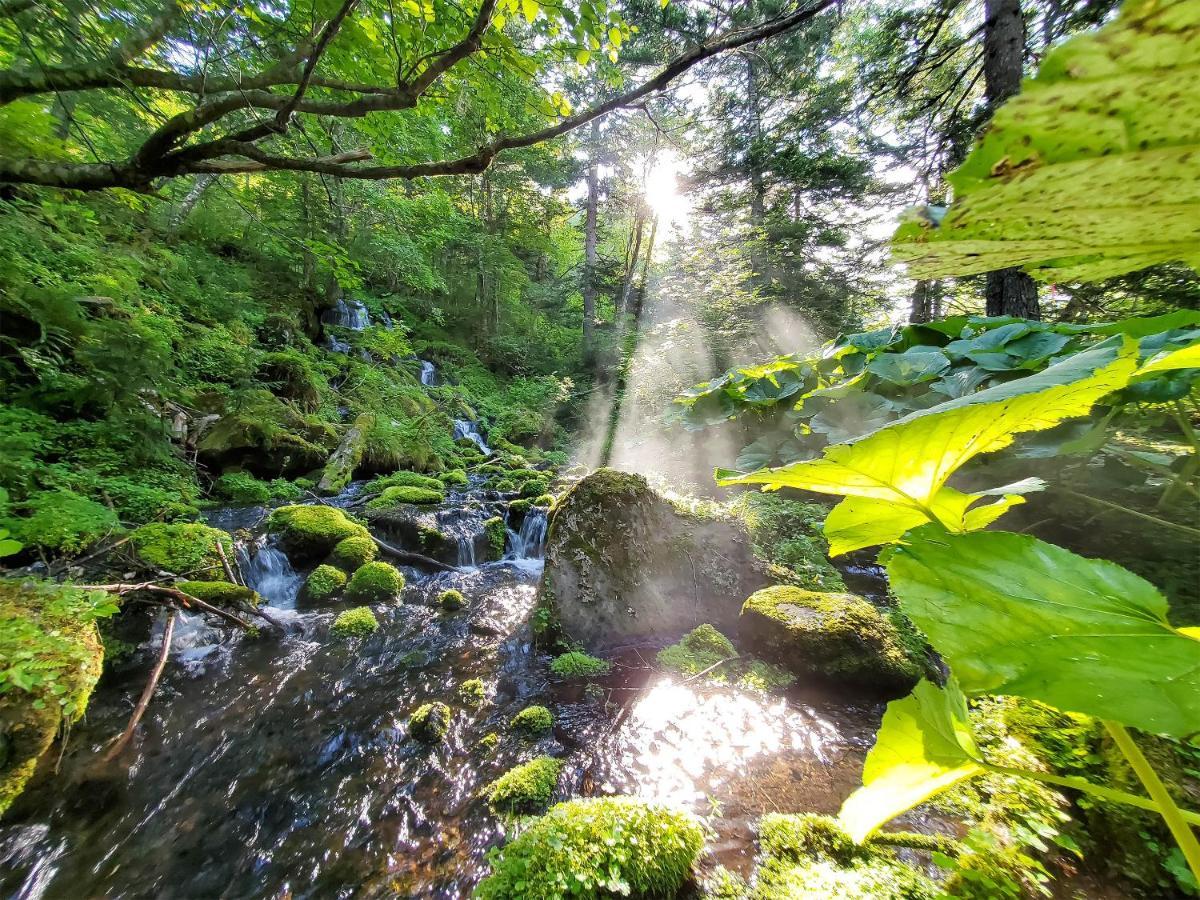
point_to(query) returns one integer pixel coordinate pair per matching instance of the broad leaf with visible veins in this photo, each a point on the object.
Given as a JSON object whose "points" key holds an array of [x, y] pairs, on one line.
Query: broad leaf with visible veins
{"points": [[1014, 615], [924, 746], [905, 465]]}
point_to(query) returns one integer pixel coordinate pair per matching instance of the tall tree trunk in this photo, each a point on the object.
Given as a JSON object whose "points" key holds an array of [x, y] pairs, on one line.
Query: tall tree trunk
{"points": [[180, 214], [589, 245], [635, 249], [922, 302], [1010, 292], [758, 189]]}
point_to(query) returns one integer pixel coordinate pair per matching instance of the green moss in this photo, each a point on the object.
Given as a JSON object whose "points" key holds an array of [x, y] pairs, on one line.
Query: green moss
{"points": [[532, 720], [430, 723], [488, 743], [184, 549], [396, 496], [520, 507], [526, 788], [355, 551], [788, 533], [699, 649], [545, 500], [472, 692], [62, 521], [497, 534], [840, 637], [759, 675], [375, 581], [534, 488], [451, 600], [406, 479], [52, 657], [597, 848], [242, 487], [505, 486], [433, 540], [456, 477], [221, 593], [575, 664], [356, 622], [312, 531], [324, 582]]}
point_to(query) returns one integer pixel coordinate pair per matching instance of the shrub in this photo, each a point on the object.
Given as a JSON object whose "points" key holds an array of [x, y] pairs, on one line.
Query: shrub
{"points": [[62, 521], [597, 848], [406, 479], [472, 692], [323, 583], [532, 720], [579, 665], [221, 593], [312, 531], [356, 622], [395, 496], [497, 535], [525, 788], [375, 581], [451, 600], [355, 551], [183, 548], [430, 723], [698, 650]]}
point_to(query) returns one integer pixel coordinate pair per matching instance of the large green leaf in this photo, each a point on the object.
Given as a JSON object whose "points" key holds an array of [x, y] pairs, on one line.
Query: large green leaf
{"points": [[913, 366], [1185, 358], [906, 464], [1015, 615], [924, 746], [1088, 173]]}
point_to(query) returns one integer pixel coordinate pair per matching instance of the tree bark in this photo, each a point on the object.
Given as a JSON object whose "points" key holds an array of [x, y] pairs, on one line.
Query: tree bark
{"points": [[1009, 292], [922, 302], [758, 189], [589, 245]]}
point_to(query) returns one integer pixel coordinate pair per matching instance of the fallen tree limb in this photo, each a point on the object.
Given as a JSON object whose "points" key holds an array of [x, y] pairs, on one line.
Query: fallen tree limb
{"points": [[416, 559], [186, 601], [147, 691]]}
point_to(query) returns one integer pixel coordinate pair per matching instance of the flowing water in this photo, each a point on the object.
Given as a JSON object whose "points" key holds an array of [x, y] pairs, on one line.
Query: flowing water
{"points": [[428, 373], [279, 766], [470, 431]]}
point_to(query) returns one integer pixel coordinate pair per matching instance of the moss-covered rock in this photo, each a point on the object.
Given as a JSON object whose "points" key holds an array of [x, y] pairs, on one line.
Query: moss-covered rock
{"points": [[221, 593], [505, 486], [430, 723], [52, 657], [323, 584], [575, 664], [545, 501], [840, 638], [184, 549], [354, 551], [311, 532], [374, 582], [532, 720], [526, 788], [497, 535], [400, 495], [488, 743], [356, 622], [598, 848], [472, 692], [451, 600], [700, 649], [406, 479], [535, 487], [519, 507], [456, 477], [623, 564]]}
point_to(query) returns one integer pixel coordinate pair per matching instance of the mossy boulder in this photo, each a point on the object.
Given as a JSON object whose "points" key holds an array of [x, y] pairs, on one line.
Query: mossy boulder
{"points": [[623, 564], [601, 847], [519, 507], [839, 638], [451, 600], [456, 477], [576, 664], [699, 650], [183, 548], [496, 533], [374, 582], [430, 723], [356, 622], [354, 551], [221, 593], [323, 584], [472, 692], [532, 721], [402, 494], [52, 657], [535, 487], [406, 479], [526, 788], [311, 532]]}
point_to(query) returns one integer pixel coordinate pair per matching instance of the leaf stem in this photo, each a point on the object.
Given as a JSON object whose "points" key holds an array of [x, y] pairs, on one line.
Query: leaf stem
{"points": [[1172, 814], [1187, 529]]}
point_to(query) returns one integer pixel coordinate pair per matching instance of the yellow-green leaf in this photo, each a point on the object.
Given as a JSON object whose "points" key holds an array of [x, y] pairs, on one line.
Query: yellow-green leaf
{"points": [[529, 9], [1184, 358], [583, 56]]}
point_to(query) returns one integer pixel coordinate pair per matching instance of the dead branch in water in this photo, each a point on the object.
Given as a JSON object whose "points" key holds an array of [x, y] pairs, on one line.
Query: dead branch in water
{"points": [[147, 691], [184, 601]]}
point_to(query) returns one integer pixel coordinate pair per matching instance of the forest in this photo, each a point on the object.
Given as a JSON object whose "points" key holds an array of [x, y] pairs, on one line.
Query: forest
{"points": [[728, 449]]}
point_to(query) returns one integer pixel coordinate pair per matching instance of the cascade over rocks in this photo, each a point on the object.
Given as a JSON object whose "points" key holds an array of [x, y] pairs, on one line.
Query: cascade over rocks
{"points": [[623, 564]]}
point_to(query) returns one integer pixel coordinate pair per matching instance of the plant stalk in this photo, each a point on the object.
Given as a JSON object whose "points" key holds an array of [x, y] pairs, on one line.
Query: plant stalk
{"points": [[1164, 523], [1172, 814]]}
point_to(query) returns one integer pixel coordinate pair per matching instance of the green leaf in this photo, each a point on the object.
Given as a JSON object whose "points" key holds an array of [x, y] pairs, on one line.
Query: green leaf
{"points": [[1015, 615], [583, 56], [1185, 358], [1090, 172], [908, 462], [529, 9], [913, 366], [924, 746], [8, 546]]}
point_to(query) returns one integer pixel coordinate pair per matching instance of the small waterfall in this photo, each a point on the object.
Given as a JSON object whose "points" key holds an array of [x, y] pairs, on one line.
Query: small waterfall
{"points": [[466, 551], [269, 572], [469, 430], [530, 541], [386, 319], [429, 375], [336, 345], [347, 314]]}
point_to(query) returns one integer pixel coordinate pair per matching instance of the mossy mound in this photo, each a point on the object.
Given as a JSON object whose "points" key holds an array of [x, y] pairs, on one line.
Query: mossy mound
{"points": [[544, 501], [451, 600], [519, 507], [221, 593], [356, 622], [398, 496], [406, 479], [354, 551], [614, 846], [497, 535], [699, 649], [575, 664], [532, 720], [456, 477], [323, 584], [472, 692], [840, 638], [788, 533], [430, 723], [488, 743], [374, 582], [311, 532], [52, 659], [526, 788], [505, 486], [534, 488], [184, 549]]}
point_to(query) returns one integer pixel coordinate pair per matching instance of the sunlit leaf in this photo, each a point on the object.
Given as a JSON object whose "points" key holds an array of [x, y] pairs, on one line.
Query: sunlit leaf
{"points": [[1185, 358], [913, 366]]}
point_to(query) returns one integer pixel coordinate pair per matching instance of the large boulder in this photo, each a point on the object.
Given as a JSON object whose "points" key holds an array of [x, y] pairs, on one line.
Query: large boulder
{"points": [[839, 638], [623, 564]]}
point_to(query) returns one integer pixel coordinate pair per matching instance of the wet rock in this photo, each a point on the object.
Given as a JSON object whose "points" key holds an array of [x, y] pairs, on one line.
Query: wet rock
{"points": [[840, 638], [623, 564]]}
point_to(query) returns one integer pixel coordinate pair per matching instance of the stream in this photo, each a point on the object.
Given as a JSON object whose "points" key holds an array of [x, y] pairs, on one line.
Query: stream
{"points": [[279, 766]]}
